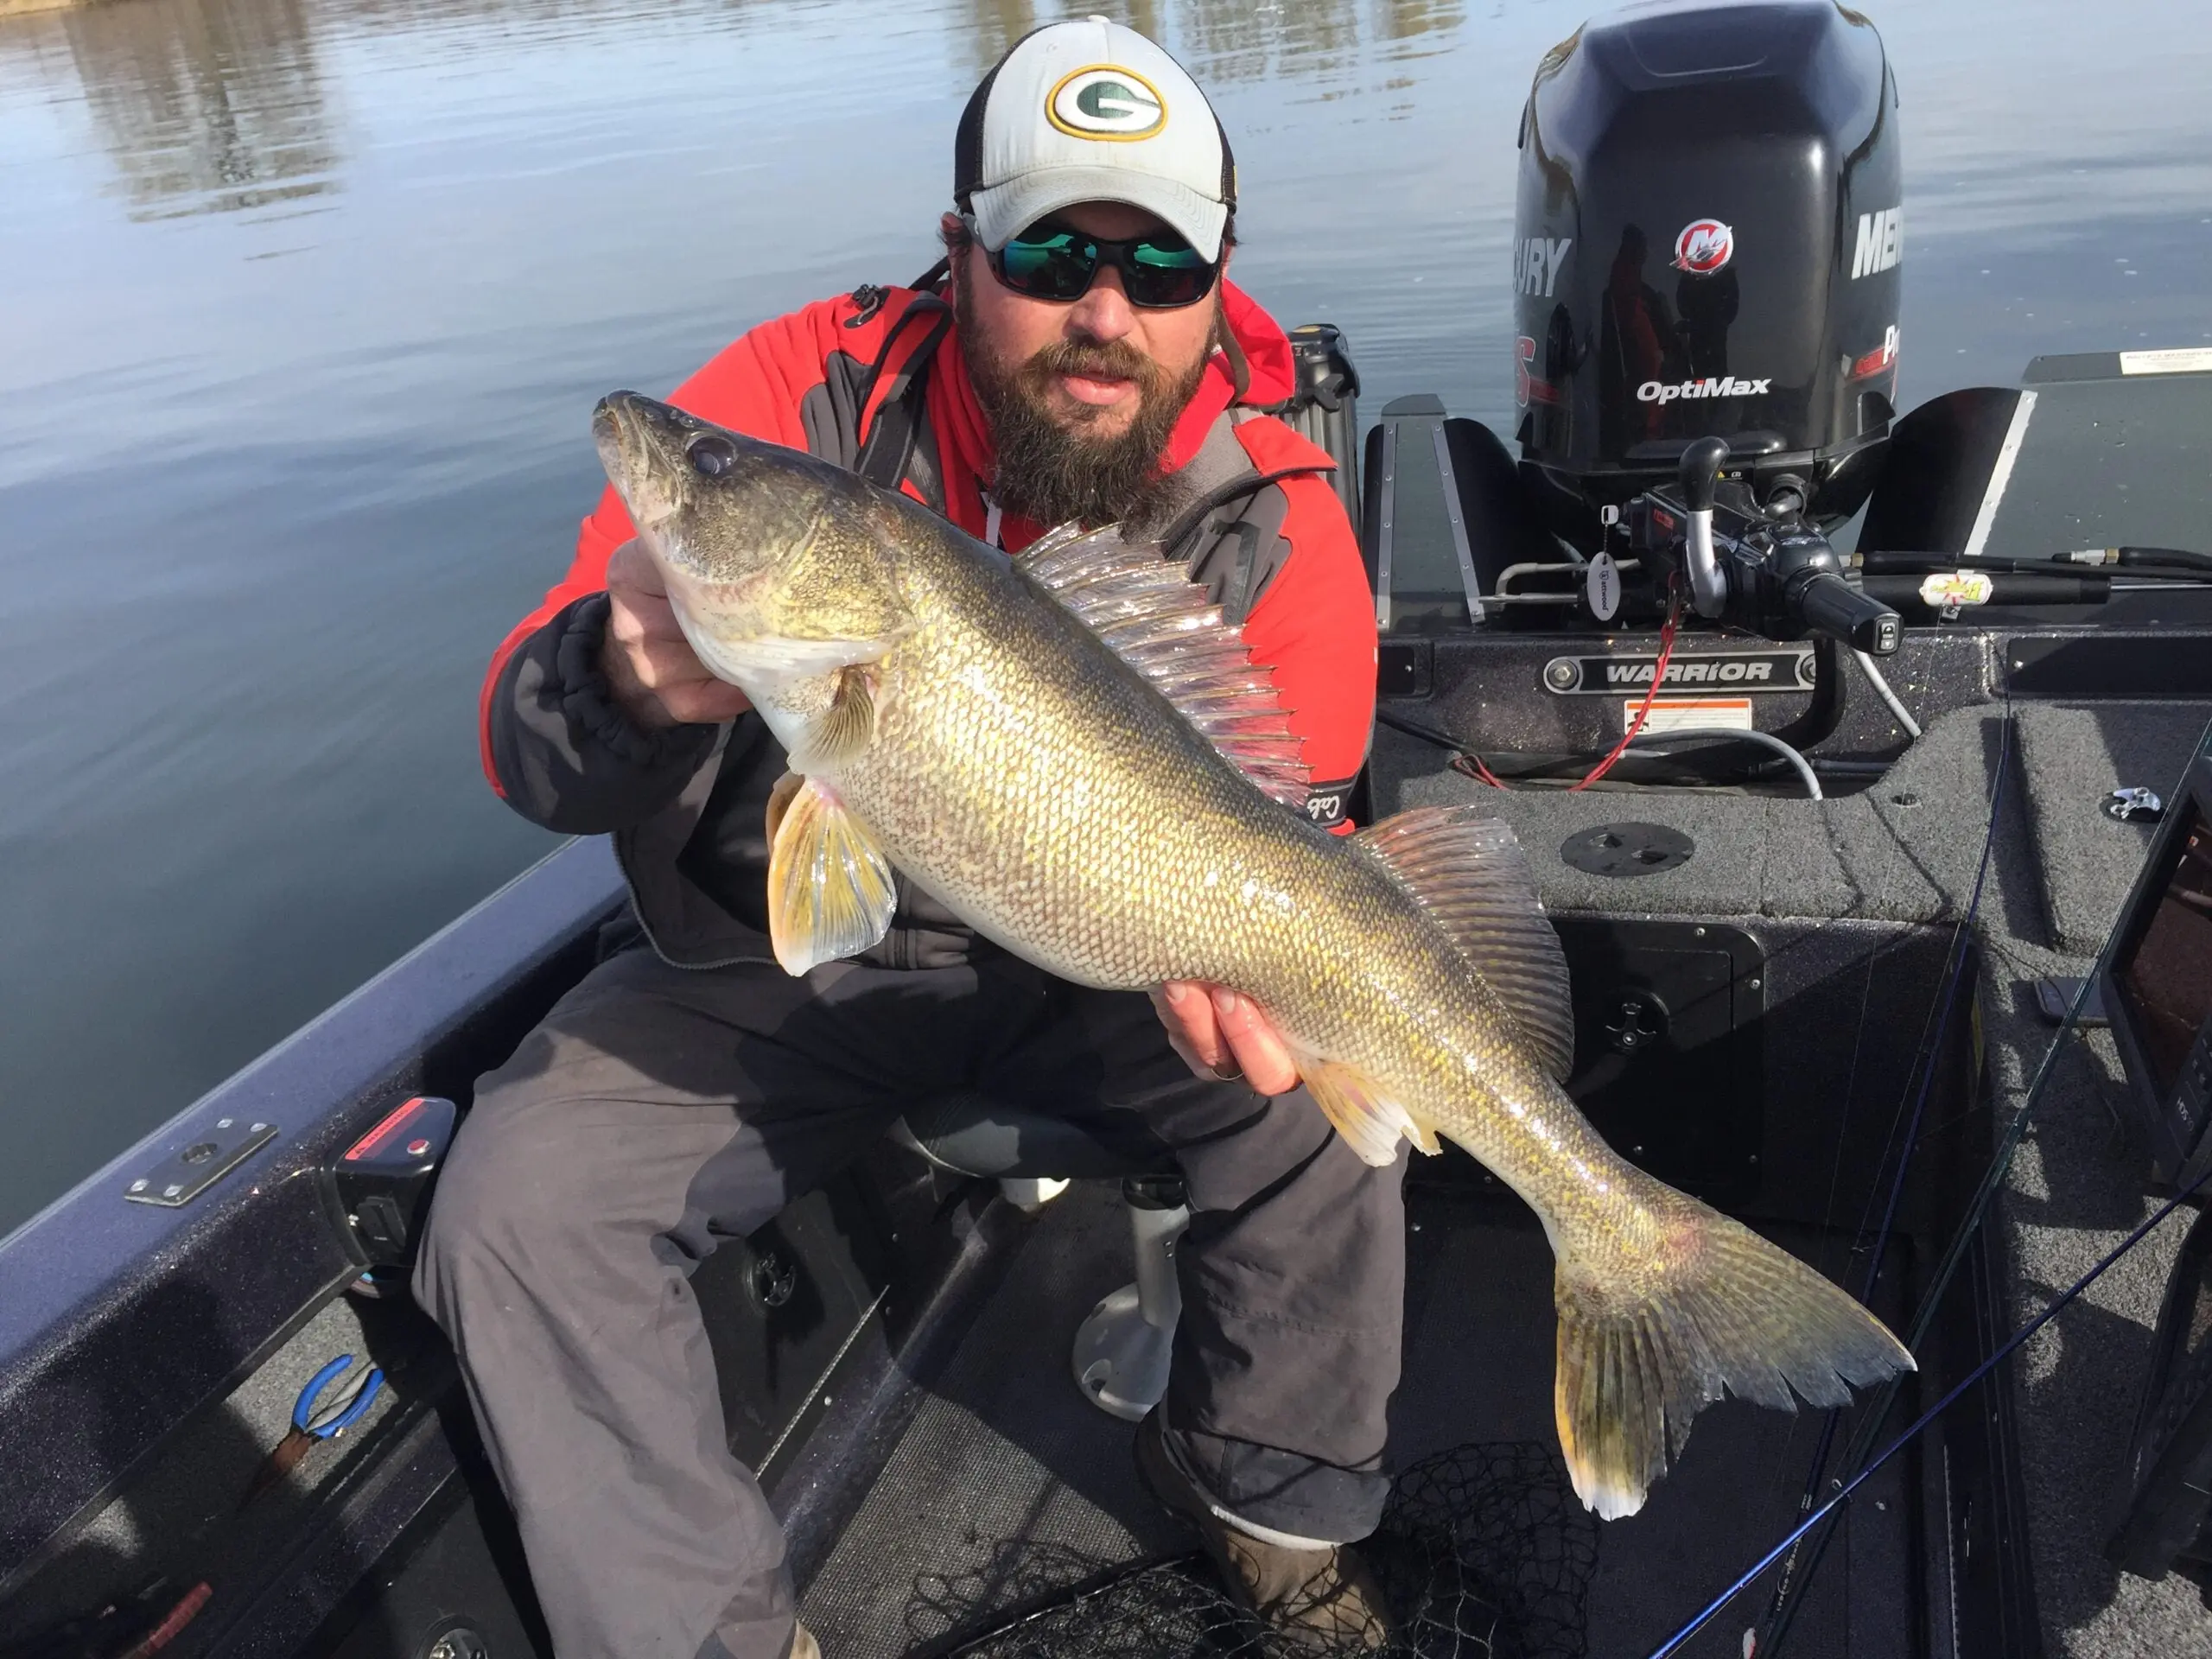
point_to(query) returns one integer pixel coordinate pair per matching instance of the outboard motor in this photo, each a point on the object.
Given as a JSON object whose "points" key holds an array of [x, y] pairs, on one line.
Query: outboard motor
{"points": [[1706, 246]]}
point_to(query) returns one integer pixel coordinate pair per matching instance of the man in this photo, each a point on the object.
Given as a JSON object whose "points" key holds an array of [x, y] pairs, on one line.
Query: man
{"points": [[1093, 364]]}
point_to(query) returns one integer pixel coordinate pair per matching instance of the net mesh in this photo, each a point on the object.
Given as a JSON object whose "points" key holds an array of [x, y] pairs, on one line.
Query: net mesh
{"points": [[1483, 1553]]}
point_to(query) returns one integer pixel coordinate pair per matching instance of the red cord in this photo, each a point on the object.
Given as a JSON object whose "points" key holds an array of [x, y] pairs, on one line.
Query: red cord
{"points": [[187, 1609], [1472, 766], [1658, 674]]}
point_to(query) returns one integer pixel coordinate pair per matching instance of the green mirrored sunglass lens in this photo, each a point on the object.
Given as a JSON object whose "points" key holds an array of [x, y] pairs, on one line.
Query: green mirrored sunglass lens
{"points": [[1178, 257], [1054, 265]]}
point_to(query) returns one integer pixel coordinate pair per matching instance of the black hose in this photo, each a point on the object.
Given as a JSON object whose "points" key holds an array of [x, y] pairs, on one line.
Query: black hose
{"points": [[2178, 558], [2006, 588], [2167, 561]]}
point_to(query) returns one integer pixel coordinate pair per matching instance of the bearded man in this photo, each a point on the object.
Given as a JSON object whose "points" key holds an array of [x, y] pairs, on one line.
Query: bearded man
{"points": [[1092, 364]]}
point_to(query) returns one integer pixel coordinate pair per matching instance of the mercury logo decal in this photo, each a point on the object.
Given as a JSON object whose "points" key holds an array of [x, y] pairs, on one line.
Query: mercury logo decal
{"points": [[1103, 101], [1725, 385], [1704, 246], [1536, 261], [1881, 243]]}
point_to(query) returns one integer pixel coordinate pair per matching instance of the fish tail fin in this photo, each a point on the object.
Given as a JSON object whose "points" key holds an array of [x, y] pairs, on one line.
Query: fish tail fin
{"points": [[1650, 1334]]}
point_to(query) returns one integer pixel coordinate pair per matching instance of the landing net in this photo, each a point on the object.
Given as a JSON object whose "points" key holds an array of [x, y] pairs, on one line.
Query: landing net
{"points": [[1483, 1553]]}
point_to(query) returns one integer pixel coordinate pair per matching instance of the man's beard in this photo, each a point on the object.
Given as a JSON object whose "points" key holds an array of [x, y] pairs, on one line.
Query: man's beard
{"points": [[1055, 472]]}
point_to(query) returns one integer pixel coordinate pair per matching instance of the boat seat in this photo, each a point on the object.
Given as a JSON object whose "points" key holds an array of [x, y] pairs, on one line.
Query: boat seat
{"points": [[1122, 1349], [970, 1134]]}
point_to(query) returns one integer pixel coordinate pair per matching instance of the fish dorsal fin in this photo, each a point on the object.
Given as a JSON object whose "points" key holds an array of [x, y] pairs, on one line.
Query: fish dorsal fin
{"points": [[1470, 873], [1161, 623]]}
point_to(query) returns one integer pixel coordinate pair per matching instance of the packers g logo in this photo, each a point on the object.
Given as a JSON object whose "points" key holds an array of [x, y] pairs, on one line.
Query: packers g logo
{"points": [[1106, 101]]}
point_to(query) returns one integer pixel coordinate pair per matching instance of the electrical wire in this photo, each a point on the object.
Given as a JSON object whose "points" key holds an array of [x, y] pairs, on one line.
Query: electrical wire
{"points": [[1712, 1609], [1882, 690], [1742, 734], [1643, 711]]}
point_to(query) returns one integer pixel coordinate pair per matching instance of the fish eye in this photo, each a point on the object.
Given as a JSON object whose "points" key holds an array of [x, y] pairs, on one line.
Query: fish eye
{"points": [[712, 454]]}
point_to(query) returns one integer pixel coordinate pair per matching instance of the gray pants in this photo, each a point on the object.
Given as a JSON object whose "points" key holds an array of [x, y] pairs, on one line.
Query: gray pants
{"points": [[657, 1109]]}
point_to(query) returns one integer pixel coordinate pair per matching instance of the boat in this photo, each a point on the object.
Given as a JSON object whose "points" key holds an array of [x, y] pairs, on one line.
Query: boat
{"points": [[1860, 899]]}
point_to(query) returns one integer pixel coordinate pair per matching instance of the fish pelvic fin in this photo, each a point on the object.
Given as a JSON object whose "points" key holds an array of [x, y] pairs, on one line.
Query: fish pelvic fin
{"points": [[1469, 874], [830, 891], [1369, 1119], [1648, 1340]]}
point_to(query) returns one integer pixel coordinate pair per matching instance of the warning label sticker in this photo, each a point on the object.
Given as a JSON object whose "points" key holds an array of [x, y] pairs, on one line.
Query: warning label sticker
{"points": [[1687, 713]]}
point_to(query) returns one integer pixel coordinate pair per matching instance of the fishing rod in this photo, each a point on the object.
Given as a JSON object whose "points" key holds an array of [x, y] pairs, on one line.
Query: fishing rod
{"points": [[1713, 1609], [1945, 1269], [1786, 1590], [1954, 1253]]}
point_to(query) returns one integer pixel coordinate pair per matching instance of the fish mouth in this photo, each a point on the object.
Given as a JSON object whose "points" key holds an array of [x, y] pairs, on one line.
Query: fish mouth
{"points": [[642, 452], [620, 436]]}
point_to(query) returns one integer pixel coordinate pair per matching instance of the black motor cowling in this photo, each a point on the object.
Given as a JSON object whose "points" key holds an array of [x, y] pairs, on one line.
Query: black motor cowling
{"points": [[1706, 244]]}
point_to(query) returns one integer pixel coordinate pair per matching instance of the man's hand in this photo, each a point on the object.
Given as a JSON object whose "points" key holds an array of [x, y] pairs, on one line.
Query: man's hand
{"points": [[1221, 1034], [651, 668]]}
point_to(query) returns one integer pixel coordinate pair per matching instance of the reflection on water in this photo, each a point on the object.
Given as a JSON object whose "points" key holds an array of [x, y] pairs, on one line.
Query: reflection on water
{"points": [[294, 393], [1223, 44], [216, 105], [206, 106]]}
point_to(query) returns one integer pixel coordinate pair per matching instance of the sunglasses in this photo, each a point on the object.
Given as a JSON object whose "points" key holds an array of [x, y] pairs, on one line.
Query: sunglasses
{"points": [[1048, 262]]}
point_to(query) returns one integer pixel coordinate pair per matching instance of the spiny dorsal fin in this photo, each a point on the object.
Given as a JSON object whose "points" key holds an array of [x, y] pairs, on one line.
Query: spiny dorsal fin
{"points": [[1161, 623], [1471, 874]]}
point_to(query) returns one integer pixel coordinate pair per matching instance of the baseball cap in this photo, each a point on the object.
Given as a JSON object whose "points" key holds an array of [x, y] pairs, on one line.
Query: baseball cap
{"points": [[1090, 111]]}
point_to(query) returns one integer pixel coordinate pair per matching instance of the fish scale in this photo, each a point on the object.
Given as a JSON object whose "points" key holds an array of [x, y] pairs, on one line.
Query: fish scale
{"points": [[958, 715]]}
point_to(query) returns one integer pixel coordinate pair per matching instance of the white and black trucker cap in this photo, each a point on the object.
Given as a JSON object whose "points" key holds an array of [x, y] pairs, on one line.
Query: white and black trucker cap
{"points": [[1091, 111]]}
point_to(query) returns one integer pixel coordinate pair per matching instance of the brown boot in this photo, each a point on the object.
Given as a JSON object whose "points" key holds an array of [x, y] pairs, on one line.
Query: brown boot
{"points": [[1320, 1598], [803, 1645]]}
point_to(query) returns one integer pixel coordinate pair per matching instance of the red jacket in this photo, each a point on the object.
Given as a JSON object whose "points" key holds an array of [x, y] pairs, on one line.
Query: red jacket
{"points": [[1273, 542]]}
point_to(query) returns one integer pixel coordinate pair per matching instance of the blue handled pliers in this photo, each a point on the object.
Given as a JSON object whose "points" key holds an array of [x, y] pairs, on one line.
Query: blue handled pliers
{"points": [[346, 1406], [314, 1419]]}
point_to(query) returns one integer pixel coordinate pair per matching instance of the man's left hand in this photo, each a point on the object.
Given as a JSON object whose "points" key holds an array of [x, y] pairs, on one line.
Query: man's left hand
{"points": [[1223, 1035]]}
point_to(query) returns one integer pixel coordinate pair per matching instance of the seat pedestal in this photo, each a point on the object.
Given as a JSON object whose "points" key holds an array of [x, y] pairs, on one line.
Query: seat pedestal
{"points": [[1121, 1351]]}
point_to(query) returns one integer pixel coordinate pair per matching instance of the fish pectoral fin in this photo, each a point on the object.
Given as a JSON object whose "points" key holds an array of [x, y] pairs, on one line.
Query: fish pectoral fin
{"points": [[842, 732], [1368, 1119], [830, 892]]}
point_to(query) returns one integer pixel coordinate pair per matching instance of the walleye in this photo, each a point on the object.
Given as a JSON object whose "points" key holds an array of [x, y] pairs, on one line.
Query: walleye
{"points": [[1071, 750]]}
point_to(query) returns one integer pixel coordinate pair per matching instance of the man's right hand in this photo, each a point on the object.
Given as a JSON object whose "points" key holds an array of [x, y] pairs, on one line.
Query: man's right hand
{"points": [[656, 676]]}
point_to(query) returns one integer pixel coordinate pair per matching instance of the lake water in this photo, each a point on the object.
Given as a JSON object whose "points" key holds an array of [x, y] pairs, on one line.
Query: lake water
{"points": [[304, 305]]}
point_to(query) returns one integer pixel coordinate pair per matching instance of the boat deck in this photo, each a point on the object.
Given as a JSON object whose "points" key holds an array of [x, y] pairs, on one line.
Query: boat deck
{"points": [[1909, 851], [1008, 1491]]}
